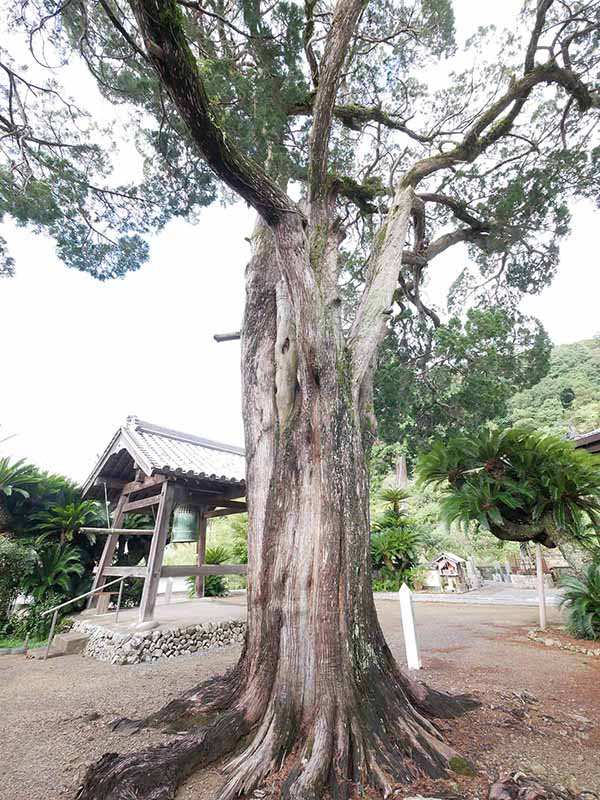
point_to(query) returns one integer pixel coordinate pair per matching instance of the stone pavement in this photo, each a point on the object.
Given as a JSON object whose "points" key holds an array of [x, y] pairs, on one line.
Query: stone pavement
{"points": [[180, 612], [491, 593]]}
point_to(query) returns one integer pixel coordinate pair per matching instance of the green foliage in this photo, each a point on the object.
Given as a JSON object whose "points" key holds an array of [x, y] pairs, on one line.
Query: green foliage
{"points": [[132, 592], [65, 521], [214, 585], [395, 543], [33, 623], [53, 572], [581, 597], [53, 509], [16, 478], [238, 545], [465, 374], [382, 462], [394, 498], [568, 395], [16, 562], [515, 477]]}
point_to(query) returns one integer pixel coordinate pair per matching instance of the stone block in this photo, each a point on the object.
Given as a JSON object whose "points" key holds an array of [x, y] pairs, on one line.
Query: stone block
{"points": [[70, 643]]}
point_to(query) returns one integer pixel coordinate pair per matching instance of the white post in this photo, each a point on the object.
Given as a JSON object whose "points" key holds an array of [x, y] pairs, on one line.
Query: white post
{"points": [[540, 585], [168, 590], [408, 626]]}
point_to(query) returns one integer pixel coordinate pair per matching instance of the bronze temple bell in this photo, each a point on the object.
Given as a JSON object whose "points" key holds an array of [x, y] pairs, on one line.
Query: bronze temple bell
{"points": [[186, 525]]}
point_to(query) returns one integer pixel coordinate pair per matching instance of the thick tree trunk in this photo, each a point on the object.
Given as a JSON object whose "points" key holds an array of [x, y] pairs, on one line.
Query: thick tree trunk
{"points": [[316, 687]]}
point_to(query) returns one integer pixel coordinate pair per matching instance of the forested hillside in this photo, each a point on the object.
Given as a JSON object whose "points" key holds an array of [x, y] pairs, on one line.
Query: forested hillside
{"points": [[569, 395]]}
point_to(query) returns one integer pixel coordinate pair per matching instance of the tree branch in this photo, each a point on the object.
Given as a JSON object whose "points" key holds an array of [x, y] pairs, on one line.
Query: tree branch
{"points": [[476, 141], [161, 27], [460, 210], [356, 117], [307, 35], [370, 321], [343, 26]]}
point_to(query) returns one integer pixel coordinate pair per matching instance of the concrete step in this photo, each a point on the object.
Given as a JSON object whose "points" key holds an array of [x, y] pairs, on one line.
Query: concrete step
{"points": [[63, 644], [70, 643]]}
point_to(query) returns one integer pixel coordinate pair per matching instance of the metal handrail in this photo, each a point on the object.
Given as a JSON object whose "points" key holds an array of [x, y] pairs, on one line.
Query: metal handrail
{"points": [[97, 590]]}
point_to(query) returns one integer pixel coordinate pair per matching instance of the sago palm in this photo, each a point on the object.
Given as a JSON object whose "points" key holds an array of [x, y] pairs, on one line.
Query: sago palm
{"points": [[581, 597], [214, 585], [54, 571], [521, 485], [65, 521], [16, 478]]}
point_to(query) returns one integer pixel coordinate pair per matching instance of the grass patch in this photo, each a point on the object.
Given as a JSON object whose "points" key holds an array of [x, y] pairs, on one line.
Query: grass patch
{"points": [[461, 766], [8, 642]]}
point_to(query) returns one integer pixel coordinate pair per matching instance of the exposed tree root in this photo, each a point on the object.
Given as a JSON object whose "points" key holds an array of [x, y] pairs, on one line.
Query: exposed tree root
{"points": [[155, 773], [379, 739], [518, 786], [194, 708]]}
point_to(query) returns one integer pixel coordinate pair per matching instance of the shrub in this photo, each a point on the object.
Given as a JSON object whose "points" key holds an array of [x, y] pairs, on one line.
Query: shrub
{"points": [[31, 624], [16, 562], [581, 597], [395, 548], [239, 539]]}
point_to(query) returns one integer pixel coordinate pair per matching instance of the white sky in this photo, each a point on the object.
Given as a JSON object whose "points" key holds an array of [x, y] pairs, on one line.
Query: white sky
{"points": [[78, 356]]}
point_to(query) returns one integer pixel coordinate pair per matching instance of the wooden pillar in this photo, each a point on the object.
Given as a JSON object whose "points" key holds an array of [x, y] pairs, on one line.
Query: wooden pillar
{"points": [[109, 550], [155, 557], [201, 552]]}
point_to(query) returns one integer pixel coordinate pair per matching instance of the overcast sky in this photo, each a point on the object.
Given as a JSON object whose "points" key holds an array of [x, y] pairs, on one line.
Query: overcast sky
{"points": [[79, 356]]}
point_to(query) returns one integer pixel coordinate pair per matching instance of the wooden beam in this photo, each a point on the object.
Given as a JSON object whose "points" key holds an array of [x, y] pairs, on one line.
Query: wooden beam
{"points": [[236, 504], [119, 531], [145, 502], [224, 512], [147, 483], [111, 483], [227, 337], [183, 571], [129, 572], [108, 552], [156, 554]]}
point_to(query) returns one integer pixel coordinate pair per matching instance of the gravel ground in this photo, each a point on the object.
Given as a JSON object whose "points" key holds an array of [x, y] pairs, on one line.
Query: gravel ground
{"points": [[55, 715]]}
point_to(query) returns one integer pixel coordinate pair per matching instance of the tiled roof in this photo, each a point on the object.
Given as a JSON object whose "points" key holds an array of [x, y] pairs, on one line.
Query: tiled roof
{"points": [[167, 450], [589, 441], [448, 556]]}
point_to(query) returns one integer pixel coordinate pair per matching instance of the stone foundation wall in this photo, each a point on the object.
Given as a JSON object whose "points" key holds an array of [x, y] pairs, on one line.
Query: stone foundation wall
{"points": [[144, 646]]}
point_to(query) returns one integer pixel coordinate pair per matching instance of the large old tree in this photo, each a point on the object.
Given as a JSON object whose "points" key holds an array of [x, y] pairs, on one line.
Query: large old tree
{"points": [[320, 118]]}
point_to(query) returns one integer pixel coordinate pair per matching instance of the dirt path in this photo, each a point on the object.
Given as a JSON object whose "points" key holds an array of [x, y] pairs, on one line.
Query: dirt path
{"points": [[55, 715]]}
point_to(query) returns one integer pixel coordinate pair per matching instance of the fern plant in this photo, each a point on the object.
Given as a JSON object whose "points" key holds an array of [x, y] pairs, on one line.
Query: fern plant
{"points": [[581, 598]]}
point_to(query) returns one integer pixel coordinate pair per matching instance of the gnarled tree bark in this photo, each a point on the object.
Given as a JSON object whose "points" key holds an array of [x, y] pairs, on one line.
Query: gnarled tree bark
{"points": [[316, 685]]}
